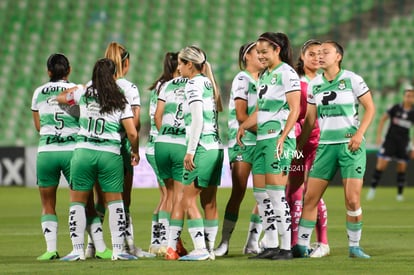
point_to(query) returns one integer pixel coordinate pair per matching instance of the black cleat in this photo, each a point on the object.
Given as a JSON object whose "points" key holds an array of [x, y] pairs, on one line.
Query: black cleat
{"points": [[268, 253], [283, 255]]}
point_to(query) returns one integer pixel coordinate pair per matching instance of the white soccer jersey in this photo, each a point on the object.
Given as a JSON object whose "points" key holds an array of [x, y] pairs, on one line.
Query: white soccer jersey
{"points": [[130, 90], [59, 123], [243, 87], [173, 127], [337, 105], [200, 89], [100, 132], [273, 109]]}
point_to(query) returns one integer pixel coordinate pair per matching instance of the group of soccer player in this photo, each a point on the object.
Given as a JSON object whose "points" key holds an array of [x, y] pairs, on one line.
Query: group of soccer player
{"points": [[280, 120], [290, 126]]}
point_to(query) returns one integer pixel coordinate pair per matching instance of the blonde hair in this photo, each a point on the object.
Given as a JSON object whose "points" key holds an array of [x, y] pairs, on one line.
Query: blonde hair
{"points": [[118, 54], [198, 57]]}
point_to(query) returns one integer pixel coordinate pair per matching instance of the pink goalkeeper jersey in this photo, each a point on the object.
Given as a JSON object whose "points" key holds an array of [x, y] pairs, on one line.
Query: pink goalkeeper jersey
{"points": [[314, 136]]}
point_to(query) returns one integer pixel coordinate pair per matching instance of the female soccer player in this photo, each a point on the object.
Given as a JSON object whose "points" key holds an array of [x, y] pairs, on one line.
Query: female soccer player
{"points": [[158, 99], [307, 68], [104, 115], [278, 106], [161, 212], [333, 99], [170, 149], [121, 57], [58, 126], [204, 155], [396, 143], [243, 99]]}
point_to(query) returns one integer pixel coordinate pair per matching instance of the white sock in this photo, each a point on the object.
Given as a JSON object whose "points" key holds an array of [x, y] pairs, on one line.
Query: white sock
{"points": [[164, 224], [117, 225], [50, 228], [196, 230], [96, 233], [282, 211], [77, 227], [305, 232], [255, 229], [354, 231], [210, 233], [155, 231], [129, 231], [174, 233], [268, 217]]}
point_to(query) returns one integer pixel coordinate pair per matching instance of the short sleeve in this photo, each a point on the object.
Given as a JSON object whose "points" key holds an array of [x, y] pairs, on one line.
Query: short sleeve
{"points": [[240, 87], [359, 86], [291, 81]]}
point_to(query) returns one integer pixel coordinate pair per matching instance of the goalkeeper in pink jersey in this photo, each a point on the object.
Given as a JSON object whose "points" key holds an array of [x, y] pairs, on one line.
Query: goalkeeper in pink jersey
{"points": [[307, 67]]}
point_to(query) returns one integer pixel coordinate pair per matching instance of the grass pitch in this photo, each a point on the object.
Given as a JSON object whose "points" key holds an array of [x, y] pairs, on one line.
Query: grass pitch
{"points": [[388, 236]]}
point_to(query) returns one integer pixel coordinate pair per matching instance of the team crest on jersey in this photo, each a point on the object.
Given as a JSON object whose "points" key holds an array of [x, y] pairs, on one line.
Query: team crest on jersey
{"points": [[208, 85], [341, 85]]}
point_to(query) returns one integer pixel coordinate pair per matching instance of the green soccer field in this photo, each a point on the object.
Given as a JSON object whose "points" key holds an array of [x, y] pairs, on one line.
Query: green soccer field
{"points": [[388, 236]]}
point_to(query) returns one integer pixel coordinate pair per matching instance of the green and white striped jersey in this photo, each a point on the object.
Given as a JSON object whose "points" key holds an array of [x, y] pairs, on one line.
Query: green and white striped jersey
{"points": [[243, 87], [59, 123], [100, 132], [271, 100], [173, 127], [200, 88], [337, 105]]}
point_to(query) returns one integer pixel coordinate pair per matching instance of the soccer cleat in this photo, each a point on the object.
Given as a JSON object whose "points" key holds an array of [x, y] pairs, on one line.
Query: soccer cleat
{"points": [[124, 257], [142, 254], [357, 252], [161, 251], [196, 255], [300, 251], [106, 254], [154, 248], [371, 194], [212, 256], [73, 256], [221, 250], [267, 253], [319, 250], [90, 251], [48, 256], [250, 250], [400, 197], [171, 254], [283, 255], [180, 248]]}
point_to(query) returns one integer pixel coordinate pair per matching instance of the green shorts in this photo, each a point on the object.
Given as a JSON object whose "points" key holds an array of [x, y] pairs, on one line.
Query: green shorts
{"points": [[126, 156], [330, 157], [90, 166], [49, 166], [244, 154], [266, 160], [151, 161], [209, 164], [170, 160]]}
